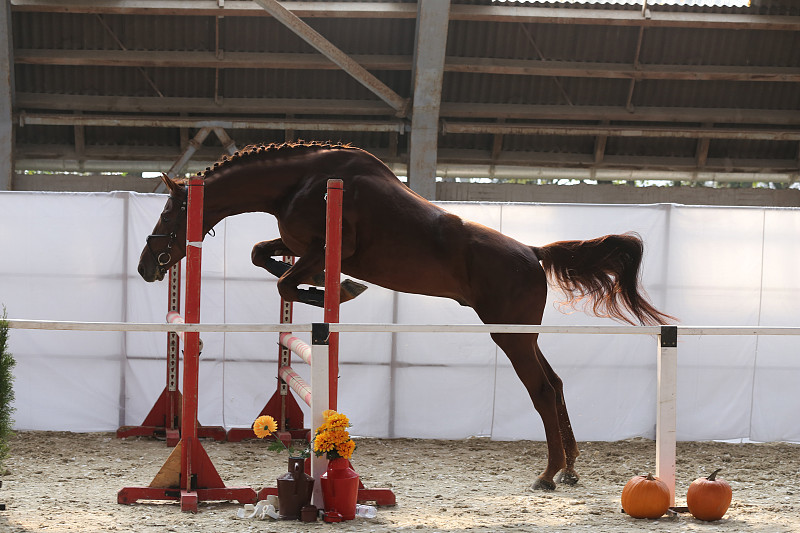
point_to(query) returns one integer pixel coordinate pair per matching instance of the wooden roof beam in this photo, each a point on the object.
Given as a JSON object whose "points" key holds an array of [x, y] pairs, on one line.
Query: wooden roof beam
{"points": [[142, 121], [329, 50], [493, 13], [476, 65], [651, 132], [28, 102], [485, 13], [447, 127], [468, 162]]}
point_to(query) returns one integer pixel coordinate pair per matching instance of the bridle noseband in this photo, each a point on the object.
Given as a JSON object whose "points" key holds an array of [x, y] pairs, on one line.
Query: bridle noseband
{"points": [[163, 259]]}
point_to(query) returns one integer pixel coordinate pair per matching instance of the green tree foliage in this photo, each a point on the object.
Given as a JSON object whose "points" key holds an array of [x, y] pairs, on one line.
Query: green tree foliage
{"points": [[6, 387]]}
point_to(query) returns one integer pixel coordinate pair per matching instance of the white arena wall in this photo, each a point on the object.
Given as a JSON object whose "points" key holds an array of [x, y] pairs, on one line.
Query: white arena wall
{"points": [[73, 256]]}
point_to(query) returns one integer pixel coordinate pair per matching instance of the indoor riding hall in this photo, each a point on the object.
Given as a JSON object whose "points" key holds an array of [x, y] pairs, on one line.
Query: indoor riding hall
{"points": [[676, 121]]}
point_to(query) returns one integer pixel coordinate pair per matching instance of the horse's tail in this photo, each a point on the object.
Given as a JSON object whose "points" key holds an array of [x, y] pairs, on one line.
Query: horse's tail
{"points": [[604, 273]]}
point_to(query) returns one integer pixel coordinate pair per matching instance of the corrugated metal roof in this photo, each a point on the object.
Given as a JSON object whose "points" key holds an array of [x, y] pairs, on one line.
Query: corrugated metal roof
{"points": [[601, 92]]}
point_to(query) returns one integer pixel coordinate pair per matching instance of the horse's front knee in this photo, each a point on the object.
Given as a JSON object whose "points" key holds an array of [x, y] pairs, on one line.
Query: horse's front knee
{"points": [[265, 250], [257, 256]]}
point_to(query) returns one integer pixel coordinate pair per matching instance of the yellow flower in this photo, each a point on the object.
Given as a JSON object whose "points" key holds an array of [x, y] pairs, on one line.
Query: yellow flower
{"points": [[322, 443], [338, 436], [264, 426], [337, 420], [346, 449], [332, 438]]}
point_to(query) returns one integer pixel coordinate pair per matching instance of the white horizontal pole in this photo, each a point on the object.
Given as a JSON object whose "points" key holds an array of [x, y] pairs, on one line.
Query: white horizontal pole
{"points": [[738, 330], [400, 328], [149, 326]]}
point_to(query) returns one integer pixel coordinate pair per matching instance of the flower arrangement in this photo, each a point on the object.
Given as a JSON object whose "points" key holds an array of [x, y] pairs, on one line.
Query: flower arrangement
{"points": [[264, 426], [332, 438]]}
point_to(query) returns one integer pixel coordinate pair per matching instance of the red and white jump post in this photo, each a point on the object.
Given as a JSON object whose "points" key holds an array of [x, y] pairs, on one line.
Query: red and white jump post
{"points": [[322, 355], [281, 406], [164, 418], [188, 475]]}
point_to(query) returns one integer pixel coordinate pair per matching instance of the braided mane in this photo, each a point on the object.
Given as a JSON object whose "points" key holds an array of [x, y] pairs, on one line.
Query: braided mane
{"points": [[269, 150]]}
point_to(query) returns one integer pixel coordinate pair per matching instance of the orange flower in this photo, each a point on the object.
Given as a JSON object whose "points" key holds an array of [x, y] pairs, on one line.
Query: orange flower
{"points": [[346, 449], [332, 439], [323, 444], [264, 426], [337, 421]]}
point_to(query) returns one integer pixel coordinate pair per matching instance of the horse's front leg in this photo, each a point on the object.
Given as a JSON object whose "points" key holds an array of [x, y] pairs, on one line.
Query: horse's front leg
{"points": [[262, 256], [263, 253]]}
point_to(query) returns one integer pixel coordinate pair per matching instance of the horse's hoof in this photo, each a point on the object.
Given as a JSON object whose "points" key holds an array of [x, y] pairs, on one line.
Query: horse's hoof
{"points": [[273, 266], [543, 484], [311, 296], [568, 477], [351, 289]]}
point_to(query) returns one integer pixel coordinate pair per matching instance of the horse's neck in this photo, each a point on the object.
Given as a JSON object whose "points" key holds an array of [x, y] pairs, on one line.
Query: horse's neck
{"points": [[243, 188]]}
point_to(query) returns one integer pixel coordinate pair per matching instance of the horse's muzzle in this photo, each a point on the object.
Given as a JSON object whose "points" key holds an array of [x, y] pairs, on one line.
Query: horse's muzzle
{"points": [[150, 273]]}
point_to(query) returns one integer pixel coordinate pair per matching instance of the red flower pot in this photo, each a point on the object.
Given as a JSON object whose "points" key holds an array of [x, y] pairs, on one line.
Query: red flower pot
{"points": [[340, 488]]}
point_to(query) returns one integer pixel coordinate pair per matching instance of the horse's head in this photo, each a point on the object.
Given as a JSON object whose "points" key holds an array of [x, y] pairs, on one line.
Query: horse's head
{"points": [[166, 245]]}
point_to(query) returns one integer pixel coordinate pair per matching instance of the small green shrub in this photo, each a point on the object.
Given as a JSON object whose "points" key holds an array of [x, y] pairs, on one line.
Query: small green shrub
{"points": [[6, 388]]}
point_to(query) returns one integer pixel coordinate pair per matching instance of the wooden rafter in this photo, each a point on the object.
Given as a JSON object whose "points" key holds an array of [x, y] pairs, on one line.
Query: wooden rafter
{"points": [[477, 65], [29, 102], [488, 13]]}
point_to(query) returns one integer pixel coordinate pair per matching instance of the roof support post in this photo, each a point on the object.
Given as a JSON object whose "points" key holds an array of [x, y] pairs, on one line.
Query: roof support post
{"points": [[429, 50], [188, 152], [6, 99], [329, 50], [225, 139]]}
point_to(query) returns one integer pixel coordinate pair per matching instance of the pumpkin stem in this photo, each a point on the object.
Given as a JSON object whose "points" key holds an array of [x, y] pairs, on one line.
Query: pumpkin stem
{"points": [[713, 475], [651, 478]]}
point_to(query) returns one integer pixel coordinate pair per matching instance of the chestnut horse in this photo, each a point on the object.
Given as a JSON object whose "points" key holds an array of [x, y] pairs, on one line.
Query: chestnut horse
{"points": [[394, 238]]}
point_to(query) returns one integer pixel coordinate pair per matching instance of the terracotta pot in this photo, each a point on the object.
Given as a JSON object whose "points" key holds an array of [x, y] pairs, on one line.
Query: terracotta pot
{"points": [[340, 489], [294, 489]]}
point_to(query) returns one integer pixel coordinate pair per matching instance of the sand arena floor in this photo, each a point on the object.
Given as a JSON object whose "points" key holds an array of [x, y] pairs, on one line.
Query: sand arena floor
{"points": [[57, 481]]}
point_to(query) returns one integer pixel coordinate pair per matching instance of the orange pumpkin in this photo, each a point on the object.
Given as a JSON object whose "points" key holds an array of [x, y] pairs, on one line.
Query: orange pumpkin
{"points": [[709, 498], [645, 497]]}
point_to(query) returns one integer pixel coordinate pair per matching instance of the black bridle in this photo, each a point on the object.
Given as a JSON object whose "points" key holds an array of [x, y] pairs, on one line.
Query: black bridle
{"points": [[163, 259]]}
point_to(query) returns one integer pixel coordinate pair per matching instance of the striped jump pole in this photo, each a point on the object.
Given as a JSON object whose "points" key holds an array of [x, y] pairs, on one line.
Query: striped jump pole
{"points": [[315, 395], [281, 406], [164, 418]]}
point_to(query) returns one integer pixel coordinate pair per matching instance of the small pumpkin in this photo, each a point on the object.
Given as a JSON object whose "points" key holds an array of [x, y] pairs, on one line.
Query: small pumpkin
{"points": [[645, 497], [708, 498]]}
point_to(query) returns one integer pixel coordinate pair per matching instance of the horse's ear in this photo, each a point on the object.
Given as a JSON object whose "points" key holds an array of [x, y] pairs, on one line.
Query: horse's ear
{"points": [[171, 185]]}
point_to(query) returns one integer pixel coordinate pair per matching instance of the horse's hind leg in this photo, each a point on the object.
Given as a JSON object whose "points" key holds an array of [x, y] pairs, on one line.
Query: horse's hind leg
{"points": [[568, 474], [521, 351]]}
